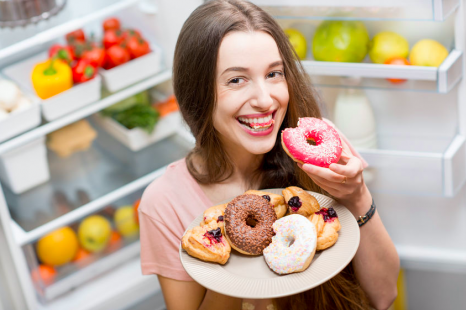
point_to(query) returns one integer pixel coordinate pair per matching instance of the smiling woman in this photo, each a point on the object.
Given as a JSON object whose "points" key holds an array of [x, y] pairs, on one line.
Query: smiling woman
{"points": [[239, 84]]}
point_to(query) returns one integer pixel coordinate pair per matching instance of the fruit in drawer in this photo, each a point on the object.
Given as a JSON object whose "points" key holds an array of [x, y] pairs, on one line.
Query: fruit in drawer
{"points": [[116, 55], [125, 222], [387, 44], [298, 41], [112, 37], [111, 23], [75, 36], [340, 41], [94, 233], [428, 52], [399, 61], [136, 210], [58, 247], [137, 47], [51, 77], [83, 71], [45, 274], [64, 53], [95, 55]]}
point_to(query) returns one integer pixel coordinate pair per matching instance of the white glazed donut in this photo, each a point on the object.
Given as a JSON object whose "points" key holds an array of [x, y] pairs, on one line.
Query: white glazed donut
{"points": [[293, 245]]}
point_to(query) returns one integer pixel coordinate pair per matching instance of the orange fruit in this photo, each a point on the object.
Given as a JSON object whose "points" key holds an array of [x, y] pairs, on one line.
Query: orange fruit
{"points": [[58, 247], [81, 255], [115, 242], [136, 206], [397, 61], [44, 273]]}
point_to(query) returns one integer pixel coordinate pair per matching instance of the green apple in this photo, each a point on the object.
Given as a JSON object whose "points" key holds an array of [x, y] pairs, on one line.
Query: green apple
{"points": [[94, 233], [298, 41]]}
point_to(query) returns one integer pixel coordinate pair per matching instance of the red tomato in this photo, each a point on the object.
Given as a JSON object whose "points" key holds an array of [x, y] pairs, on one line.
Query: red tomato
{"points": [[397, 61], [137, 47], [77, 35], [111, 23], [96, 56], [78, 48], [63, 52], [116, 55], [83, 71], [112, 37], [129, 33]]}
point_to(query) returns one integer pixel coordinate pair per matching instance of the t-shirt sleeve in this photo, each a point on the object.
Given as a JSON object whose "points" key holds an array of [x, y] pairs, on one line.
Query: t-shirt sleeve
{"points": [[160, 249]]}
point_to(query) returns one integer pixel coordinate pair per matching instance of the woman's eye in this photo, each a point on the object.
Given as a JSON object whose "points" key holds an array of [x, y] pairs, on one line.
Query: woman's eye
{"points": [[235, 81], [275, 74]]}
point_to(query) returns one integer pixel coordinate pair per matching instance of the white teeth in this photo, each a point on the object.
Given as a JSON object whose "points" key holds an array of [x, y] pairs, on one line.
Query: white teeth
{"points": [[261, 120], [255, 120]]}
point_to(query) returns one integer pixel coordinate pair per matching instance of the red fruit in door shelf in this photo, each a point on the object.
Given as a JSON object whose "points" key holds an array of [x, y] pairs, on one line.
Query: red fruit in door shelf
{"points": [[137, 47], [112, 37], [400, 61], [116, 55], [111, 23]]}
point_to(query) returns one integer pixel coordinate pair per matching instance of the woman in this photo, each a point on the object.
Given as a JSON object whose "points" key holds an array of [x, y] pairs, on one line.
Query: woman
{"points": [[233, 63]]}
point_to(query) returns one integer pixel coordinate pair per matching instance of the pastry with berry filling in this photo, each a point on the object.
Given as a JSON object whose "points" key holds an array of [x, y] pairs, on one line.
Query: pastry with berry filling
{"points": [[277, 201], [207, 243], [215, 214], [300, 202], [327, 226]]}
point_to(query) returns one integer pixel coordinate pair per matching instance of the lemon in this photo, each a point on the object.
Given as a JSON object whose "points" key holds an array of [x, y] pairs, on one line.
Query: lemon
{"points": [[298, 41], [94, 233], [428, 52], [58, 247], [386, 45], [125, 221]]}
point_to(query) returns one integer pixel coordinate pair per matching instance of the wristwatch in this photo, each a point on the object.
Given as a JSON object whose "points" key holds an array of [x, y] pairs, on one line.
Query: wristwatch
{"points": [[363, 219]]}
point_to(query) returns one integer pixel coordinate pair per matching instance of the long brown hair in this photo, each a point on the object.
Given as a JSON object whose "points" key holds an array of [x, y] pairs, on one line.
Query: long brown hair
{"points": [[194, 72]]}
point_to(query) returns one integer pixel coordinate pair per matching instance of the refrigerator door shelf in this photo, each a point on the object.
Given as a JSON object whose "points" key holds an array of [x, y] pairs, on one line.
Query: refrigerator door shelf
{"points": [[434, 10], [438, 173], [374, 76]]}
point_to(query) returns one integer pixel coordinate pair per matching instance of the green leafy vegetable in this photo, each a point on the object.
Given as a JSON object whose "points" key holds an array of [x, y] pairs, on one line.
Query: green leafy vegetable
{"points": [[142, 116]]}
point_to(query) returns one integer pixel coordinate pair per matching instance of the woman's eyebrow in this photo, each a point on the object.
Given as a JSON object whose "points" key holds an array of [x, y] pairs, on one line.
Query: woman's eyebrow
{"points": [[242, 69]]}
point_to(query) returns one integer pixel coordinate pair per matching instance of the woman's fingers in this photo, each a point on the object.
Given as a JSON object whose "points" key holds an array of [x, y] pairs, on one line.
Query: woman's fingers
{"points": [[323, 173], [352, 168]]}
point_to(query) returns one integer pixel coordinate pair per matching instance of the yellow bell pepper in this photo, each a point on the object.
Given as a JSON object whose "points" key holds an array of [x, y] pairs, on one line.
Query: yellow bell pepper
{"points": [[51, 77]]}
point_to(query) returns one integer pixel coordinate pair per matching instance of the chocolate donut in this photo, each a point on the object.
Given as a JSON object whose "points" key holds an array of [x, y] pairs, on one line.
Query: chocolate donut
{"points": [[248, 224]]}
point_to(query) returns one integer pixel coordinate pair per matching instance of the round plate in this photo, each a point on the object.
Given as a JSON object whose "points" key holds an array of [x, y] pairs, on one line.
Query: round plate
{"points": [[245, 276]]}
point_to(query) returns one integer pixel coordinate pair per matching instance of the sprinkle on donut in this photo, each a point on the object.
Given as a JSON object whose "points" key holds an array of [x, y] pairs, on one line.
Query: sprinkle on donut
{"points": [[328, 146], [248, 223]]}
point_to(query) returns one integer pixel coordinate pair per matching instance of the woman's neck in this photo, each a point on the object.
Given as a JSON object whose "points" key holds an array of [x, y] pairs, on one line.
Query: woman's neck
{"points": [[244, 163]]}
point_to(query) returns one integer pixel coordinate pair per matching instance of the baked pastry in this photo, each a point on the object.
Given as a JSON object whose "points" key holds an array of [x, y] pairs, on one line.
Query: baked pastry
{"points": [[327, 226], [293, 245], [248, 224], [207, 243], [277, 201], [300, 202], [215, 215]]}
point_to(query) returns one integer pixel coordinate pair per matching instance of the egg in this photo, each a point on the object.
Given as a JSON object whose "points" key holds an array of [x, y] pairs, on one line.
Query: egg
{"points": [[9, 95]]}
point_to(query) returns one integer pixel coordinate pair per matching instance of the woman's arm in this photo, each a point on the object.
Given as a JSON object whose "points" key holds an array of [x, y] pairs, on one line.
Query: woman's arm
{"points": [[189, 295], [376, 262]]}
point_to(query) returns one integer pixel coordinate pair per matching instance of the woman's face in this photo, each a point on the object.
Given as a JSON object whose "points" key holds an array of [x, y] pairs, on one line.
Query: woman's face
{"points": [[252, 94]]}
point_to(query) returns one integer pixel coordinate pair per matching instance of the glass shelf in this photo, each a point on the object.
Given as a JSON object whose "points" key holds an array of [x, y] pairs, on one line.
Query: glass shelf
{"points": [[415, 10], [105, 167]]}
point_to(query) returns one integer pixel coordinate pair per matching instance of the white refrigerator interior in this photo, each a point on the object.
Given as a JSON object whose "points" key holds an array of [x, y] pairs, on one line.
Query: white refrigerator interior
{"points": [[417, 157]]}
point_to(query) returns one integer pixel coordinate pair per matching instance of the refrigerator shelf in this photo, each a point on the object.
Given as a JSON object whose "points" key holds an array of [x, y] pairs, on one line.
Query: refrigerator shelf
{"points": [[121, 288], [398, 167], [85, 111], [74, 15], [418, 10], [429, 79], [102, 175], [432, 258]]}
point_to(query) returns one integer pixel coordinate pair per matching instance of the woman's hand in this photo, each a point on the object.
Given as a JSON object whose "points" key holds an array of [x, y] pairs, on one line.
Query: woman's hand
{"points": [[342, 180]]}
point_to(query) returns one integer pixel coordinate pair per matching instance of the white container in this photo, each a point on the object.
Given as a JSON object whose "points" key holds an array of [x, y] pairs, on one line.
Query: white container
{"points": [[25, 167], [20, 121], [133, 71], [136, 139], [63, 103]]}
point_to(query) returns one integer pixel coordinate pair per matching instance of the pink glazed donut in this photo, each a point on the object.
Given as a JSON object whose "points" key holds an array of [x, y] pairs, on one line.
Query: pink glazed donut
{"points": [[328, 146]]}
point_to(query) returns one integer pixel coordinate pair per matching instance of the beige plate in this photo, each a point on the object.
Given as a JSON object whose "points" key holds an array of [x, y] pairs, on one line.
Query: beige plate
{"points": [[246, 276]]}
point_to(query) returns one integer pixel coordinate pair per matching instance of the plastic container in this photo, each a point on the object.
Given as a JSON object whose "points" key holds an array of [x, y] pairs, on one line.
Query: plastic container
{"points": [[63, 103], [133, 71], [25, 167], [136, 139], [20, 121]]}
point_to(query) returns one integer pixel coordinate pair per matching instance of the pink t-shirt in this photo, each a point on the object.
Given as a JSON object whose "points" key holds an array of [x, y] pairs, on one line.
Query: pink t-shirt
{"points": [[168, 205]]}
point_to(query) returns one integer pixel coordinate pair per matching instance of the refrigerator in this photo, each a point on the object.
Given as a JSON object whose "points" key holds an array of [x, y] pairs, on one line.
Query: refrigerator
{"points": [[416, 173]]}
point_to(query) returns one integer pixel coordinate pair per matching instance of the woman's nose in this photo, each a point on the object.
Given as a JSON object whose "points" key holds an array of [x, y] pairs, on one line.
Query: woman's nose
{"points": [[262, 99]]}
